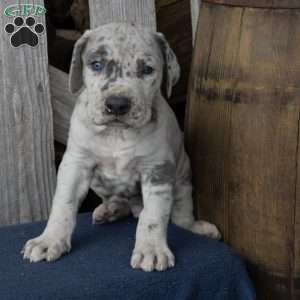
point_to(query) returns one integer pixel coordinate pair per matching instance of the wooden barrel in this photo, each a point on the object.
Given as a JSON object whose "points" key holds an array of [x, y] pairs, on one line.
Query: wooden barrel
{"points": [[242, 131]]}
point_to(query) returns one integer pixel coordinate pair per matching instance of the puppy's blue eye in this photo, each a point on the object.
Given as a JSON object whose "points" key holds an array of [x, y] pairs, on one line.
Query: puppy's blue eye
{"points": [[97, 66], [147, 70]]}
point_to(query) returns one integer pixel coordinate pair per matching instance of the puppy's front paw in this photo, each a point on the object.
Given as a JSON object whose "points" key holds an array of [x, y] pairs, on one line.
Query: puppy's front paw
{"points": [[45, 248], [206, 228], [149, 258]]}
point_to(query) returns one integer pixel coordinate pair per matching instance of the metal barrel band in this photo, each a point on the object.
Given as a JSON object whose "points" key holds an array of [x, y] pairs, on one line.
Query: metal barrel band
{"points": [[274, 4]]}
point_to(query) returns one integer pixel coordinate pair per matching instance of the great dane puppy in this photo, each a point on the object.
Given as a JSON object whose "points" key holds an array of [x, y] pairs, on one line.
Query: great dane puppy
{"points": [[124, 143]]}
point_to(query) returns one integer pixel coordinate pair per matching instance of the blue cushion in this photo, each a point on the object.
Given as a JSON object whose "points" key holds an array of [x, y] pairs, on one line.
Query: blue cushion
{"points": [[98, 267]]}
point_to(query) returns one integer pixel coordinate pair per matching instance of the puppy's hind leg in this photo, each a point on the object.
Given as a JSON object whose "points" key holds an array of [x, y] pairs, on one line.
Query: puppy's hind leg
{"points": [[182, 213], [136, 205], [109, 211]]}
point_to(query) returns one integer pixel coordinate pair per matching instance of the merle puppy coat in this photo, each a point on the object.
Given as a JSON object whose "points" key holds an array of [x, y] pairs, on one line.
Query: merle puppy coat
{"points": [[125, 144]]}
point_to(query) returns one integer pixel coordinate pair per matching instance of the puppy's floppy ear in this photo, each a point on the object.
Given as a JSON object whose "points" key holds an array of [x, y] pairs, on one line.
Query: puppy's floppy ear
{"points": [[171, 66], [75, 76]]}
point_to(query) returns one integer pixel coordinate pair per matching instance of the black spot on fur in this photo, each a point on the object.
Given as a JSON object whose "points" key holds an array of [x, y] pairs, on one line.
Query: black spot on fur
{"points": [[114, 69], [152, 226], [162, 194], [110, 68], [100, 54], [162, 174], [102, 50], [153, 82], [140, 68], [153, 115], [108, 83], [105, 87], [120, 70], [40, 87]]}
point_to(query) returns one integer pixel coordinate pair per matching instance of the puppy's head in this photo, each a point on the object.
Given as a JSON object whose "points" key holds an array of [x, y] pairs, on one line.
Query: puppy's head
{"points": [[122, 68]]}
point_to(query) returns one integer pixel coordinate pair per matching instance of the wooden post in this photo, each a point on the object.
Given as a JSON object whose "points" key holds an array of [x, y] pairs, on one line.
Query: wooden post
{"points": [[136, 11], [27, 172], [195, 9]]}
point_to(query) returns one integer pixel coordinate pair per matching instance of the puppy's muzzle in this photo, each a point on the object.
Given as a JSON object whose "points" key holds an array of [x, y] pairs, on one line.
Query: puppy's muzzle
{"points": [[117, 105]]}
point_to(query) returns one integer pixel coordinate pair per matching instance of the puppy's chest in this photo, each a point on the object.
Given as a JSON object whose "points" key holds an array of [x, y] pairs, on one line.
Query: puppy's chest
{"points": [[116, 177]]}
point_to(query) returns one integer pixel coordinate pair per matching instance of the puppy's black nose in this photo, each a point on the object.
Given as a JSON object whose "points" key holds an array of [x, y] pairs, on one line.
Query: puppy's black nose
{"points": [[117, 105]]}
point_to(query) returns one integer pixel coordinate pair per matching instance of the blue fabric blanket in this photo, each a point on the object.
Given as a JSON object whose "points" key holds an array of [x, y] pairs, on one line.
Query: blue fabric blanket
{"points": [[98, 267]]}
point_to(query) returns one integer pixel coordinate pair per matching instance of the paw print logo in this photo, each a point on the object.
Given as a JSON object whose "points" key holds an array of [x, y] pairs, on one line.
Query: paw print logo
{"points": [[24, 32]]}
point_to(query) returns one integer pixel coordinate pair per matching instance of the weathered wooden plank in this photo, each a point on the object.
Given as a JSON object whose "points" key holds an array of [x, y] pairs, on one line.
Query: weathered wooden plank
{"points": [[63, 103], [140, 12], [27, 172], [195, 10]]}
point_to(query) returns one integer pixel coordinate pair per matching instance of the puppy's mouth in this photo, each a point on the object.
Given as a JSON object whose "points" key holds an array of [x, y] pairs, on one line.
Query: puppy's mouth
{"points": [[117, 123], [110, 122]]}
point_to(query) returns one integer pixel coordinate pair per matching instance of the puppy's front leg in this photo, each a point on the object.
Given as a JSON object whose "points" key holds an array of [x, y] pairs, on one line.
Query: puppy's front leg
{"points": [[73, 181], [151, 250]]}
